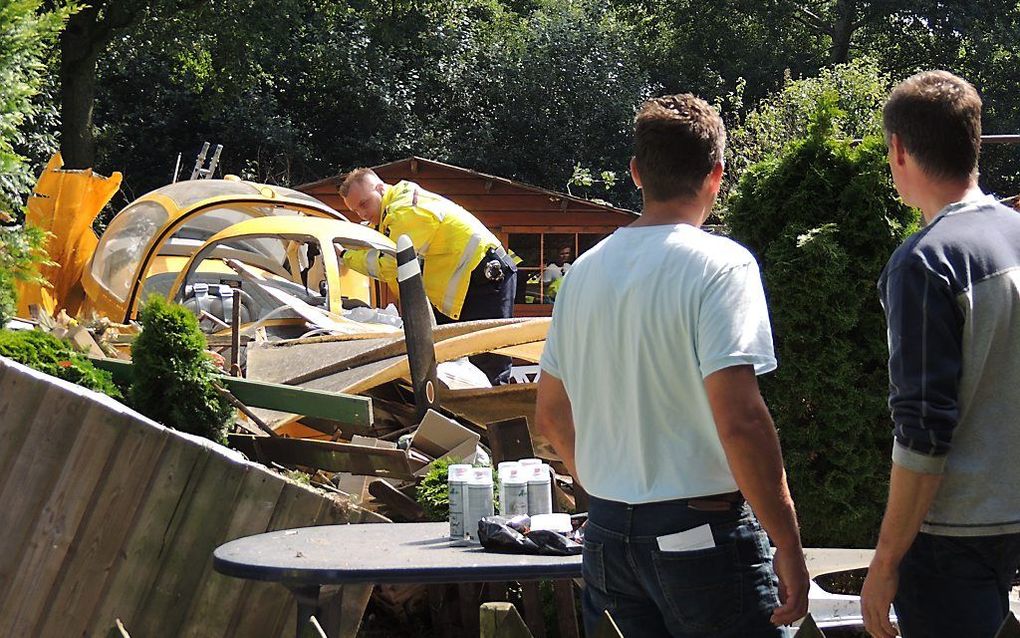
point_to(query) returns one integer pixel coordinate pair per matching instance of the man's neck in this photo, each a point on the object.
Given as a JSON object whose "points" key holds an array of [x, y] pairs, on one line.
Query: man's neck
{"points": [[672, 212], [937, 195]]}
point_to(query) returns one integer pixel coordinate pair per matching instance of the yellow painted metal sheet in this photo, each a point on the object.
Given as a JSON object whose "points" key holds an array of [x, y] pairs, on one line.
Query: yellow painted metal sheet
{"points": [[65, 203]]}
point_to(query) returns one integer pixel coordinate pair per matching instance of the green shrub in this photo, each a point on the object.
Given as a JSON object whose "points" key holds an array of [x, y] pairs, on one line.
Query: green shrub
{"points": [[173, 375], [433, 492], [823, 219], [44, 352], [22, 251]]}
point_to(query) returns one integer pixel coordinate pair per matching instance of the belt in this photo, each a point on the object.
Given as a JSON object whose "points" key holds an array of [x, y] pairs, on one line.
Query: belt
{"points": [[715, 502]]}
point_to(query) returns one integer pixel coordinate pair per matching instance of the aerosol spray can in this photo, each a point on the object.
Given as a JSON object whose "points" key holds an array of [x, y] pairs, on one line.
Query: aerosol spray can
{"points": [[539, 490], [513, 490], [457, 477], [479, 500]]}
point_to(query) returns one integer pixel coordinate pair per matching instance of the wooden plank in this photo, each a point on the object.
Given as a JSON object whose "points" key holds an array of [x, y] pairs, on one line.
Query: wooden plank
{"points": [[199, 529], [50, 438], [501, 620], [49, 544], [326, 455], [376, 374], [347, 354], [532, 603], [218, 595], [344, 408], [109, 520], [469, 595], [266, 607], [138, 562], [487, 405], [553, 219], [441, 610], [566, 609], [510, 440], [21, 396], [282, 364], [396, 502]]}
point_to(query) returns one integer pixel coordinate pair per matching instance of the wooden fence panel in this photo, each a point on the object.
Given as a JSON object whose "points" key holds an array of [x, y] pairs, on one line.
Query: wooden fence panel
{"points": [[107, 515], [66, 505], [80, 588]]}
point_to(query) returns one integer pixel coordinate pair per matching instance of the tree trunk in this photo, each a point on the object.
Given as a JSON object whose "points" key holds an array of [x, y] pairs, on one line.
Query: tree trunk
{"points": [[77, 98], [842, 31], [79, 52]]}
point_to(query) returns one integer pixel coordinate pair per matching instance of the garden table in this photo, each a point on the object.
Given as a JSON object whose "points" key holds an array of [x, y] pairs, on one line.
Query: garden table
{"points": [[308, 558]]}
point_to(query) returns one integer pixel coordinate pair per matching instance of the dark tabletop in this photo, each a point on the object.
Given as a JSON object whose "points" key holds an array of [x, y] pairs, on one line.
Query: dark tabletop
{"points": [[379, 553]]}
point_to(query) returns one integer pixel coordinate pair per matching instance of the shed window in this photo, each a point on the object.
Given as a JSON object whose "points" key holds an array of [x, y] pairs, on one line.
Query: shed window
{"points": [[546, 258]]}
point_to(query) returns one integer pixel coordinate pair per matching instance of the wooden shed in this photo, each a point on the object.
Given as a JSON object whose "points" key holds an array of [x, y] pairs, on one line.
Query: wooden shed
{"points": [[544, 228]]}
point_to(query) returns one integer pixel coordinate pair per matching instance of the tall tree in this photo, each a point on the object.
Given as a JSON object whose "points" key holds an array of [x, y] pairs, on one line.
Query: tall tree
{"points": [[28, 30], [87, 36]]}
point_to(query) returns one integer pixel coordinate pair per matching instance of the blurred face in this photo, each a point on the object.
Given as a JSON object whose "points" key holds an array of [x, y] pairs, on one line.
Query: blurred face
{"points": [[564, 254], [365, 199]]}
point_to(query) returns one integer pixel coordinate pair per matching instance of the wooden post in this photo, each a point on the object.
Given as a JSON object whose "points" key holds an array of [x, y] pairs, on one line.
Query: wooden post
{"points": [[501, 620], [532, 603], [417, 314], [566, 610]]}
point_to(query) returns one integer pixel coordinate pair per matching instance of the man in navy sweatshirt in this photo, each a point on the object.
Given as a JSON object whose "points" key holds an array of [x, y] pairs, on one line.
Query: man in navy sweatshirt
{"points": [[950, 540]]}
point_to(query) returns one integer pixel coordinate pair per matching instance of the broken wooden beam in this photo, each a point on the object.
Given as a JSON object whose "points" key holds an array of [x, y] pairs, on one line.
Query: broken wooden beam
{"points": [[335, 406], [325, 455]]}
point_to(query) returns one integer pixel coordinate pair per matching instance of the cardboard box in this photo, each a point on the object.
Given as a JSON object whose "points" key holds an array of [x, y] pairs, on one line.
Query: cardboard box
{"points": [[439, 437]]}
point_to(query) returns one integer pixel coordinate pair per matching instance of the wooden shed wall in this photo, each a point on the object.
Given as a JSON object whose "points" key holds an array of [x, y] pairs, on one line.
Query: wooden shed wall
{"points": [[106, 514], [496, 202]]}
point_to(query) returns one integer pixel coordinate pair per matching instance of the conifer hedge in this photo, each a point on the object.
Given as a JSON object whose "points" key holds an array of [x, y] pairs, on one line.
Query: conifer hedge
{"points": [[174, 376], [823, 218]]}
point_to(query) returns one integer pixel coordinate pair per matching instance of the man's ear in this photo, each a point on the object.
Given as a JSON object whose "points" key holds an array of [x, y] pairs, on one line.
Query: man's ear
{"points": [[897, 152], [715, 177], [635, 176]]}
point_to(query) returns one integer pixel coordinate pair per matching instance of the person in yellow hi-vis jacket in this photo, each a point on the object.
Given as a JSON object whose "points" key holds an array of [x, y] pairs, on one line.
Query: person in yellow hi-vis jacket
{"points": [[467, 273]]}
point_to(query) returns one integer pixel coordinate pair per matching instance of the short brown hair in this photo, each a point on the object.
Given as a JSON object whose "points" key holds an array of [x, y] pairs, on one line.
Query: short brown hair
{"points": [[937, 117], [678, 140], [352, 178]]}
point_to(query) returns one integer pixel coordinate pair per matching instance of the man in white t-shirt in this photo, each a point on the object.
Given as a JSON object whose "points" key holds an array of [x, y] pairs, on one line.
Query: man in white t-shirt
{"points": [[554, 272], [648, 393]]}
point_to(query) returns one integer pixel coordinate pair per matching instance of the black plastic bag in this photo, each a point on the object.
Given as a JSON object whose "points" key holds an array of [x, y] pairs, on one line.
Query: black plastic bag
{"points": [[498, 534]]}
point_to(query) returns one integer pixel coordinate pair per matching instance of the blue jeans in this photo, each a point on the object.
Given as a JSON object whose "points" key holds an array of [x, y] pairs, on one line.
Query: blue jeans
{"points": [[956, 586], [728, 590]]}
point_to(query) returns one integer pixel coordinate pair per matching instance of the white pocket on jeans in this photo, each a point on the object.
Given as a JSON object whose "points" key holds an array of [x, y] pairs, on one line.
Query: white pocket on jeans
{"points": [[687, 540]]}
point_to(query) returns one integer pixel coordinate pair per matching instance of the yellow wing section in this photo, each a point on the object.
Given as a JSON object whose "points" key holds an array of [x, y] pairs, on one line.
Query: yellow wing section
{"points": [[65, 203]]}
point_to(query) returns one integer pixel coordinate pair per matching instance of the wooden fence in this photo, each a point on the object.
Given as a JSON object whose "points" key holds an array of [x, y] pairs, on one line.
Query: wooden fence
{"points": [[105, 514]]}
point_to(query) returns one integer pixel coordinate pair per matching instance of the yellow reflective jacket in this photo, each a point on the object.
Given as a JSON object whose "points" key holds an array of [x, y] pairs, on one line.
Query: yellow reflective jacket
{"points": [[450, 239]]}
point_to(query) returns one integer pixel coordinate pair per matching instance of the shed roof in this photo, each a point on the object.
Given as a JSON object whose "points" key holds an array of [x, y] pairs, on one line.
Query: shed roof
{"points": [[497, 201]]}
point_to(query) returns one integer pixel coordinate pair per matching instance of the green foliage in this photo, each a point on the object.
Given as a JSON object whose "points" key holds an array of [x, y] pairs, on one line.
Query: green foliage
{"points": [[433, 493], [823, 219], [174, 377], [857, 89], [26, 32], [45, 353], [21, 253]]}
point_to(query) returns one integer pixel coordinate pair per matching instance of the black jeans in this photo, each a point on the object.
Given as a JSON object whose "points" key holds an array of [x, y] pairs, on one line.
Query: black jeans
{"points": [[956, 586], [488, 300], [729, 590]]}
